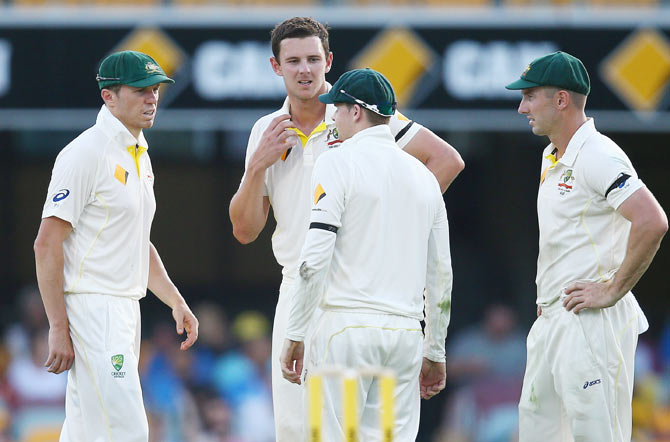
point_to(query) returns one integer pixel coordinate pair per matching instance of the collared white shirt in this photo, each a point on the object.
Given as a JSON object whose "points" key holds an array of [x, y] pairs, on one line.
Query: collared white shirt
{"points": [[102, 184], [379, 213], [582, 236], [287, 182]]}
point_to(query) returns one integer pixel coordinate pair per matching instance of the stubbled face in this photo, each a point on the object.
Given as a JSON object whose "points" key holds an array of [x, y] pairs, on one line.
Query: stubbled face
{"points": [[303, 64], [135, 107], [537, 104], [344, 121]]}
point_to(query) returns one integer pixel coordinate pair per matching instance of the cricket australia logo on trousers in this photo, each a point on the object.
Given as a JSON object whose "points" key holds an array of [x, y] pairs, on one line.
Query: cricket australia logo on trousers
{"points": [[117, 363]]}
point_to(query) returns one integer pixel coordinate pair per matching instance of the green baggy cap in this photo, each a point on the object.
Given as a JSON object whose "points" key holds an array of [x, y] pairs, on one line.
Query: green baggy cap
{"points": [[365, 87], [132, 68], [558, 69]]}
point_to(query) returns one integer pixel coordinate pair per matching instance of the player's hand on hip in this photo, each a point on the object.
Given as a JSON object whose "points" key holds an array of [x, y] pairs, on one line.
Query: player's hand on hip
{"points": [[291, 360], [185, 320], [277, 139], [581, 295], [432, 378], [61, 352]]}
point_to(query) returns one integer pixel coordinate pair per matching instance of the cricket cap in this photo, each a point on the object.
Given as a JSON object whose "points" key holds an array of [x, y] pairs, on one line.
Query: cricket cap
{"points": [[558, 69], [131, 68], [365, 87]]}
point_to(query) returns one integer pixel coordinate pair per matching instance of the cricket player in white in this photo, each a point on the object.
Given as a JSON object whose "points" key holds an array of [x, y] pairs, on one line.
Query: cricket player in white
{"points": [[281, 153], [94, 258], [378, 222], [600, 228]]}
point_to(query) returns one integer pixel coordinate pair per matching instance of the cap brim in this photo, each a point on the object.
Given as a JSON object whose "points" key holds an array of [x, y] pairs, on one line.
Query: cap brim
{"points": [[521, 84], [150, 81], [326, 98]]}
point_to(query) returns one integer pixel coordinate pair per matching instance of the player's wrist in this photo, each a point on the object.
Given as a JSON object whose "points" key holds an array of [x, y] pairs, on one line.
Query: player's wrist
{"points": [[257, 166], [614, 292], [295, 337], [59, 326], [435, 357], [179, 303]]}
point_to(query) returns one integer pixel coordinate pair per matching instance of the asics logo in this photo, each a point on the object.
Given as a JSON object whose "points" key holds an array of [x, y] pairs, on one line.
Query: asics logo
{"points": [[61, 195], [588, 384]]}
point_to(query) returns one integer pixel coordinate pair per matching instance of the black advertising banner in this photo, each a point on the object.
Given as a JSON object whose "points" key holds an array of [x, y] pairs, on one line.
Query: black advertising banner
{"points": [[433, 67]]}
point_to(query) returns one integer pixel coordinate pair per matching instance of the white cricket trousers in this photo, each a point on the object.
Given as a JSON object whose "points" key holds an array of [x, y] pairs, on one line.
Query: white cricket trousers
{"points": [[287, 398], [358, 340], [103, 402], [578, 385]]}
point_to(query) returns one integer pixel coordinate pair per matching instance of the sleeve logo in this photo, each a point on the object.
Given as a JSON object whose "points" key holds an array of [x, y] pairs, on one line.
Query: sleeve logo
{"points": [[61, 195], [619, 183], [319, 193]]}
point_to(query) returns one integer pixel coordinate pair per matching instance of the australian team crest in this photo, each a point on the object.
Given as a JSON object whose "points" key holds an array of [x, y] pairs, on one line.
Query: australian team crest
{"points": [[565, 182], [117, 363], [333, 138], [152, 68]]}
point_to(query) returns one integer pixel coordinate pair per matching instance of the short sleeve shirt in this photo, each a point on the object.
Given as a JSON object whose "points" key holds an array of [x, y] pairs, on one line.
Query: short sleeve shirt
{"points": [[582, 237], [287, 182], [102, 184]]}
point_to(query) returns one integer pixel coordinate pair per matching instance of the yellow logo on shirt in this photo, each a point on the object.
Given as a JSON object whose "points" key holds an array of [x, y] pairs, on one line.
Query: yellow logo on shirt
{"points": [[121, 174], [401, 117], [318, 193]]}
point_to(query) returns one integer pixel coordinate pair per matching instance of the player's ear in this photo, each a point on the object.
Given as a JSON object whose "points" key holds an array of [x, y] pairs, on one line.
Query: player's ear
{"points": [[276, 67], [107, 96], [562, 99], [358, 112], [329, 61]]}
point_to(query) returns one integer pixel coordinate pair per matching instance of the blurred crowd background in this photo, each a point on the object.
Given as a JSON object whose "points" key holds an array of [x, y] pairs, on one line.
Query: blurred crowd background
{"points": [[448, 60], [220, 390]]}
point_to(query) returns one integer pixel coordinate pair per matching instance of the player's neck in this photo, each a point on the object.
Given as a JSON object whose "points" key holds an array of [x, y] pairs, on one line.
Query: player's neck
{"points": [[307, 114], [563, 135]]}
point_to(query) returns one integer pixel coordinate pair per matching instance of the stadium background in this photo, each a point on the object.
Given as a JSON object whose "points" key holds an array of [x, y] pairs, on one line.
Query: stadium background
{"points": [[449, 62]]}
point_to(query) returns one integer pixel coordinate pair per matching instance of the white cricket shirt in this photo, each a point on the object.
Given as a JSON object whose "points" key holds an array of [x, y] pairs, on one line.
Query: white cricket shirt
{"points": [[287, 182], [102, 184], [582, 237], [379, 213]]}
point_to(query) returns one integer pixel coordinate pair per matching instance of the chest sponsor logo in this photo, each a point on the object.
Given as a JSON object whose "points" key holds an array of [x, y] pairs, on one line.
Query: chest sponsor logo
{"points": [[121, 174], [588, 384], [61, 195], [566, 182], [117, 363]]}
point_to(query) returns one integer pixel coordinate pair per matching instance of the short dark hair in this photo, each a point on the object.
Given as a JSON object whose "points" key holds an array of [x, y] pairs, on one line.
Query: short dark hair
{"points": [[578, 99], [373, 118], [114, 88], [299, 27]]}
